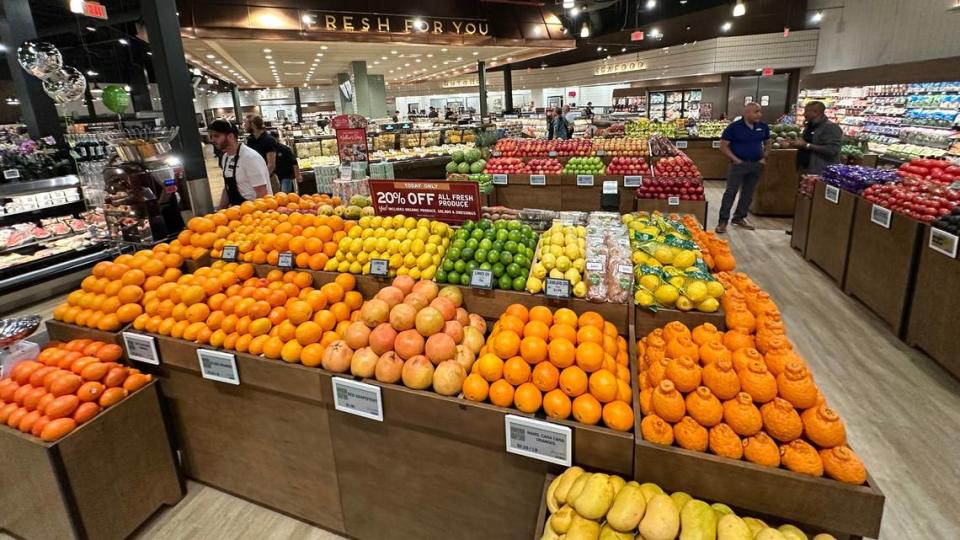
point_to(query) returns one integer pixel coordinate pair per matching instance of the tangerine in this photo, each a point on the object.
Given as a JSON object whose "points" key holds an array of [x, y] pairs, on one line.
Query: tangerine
{"points": [[475, 387], [586, 409]]}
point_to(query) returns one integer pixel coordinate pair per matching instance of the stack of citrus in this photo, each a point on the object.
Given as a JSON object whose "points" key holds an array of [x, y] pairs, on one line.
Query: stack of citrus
{"points": [[66, 386], [111, 296], [412, 332], [564, 364], [412, 247]]}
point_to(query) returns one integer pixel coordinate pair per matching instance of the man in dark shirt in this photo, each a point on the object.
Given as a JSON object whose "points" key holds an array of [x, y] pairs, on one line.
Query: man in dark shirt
{"points": [[433, 113], [745, 143], [820, 144], [264, 144], [450, 115], [287, 169]]}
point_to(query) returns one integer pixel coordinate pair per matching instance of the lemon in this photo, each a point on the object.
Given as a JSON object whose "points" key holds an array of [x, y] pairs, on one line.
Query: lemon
{"points": [[556, 251], [534, 285], [556, 239], [409, 260], [369, 244], [571, 251], [405, 246], [365, 221], [400, 234], [708, 305], [549, 261], [639, 258], [653, 262], [363, 258], [410, 223], [425, 260], [563, 263], [389, 234], [650, 282], [417, 247], [393, 246], [396, 260], [344, 244], [644, 298], [381, 244], [428, 272], [350, 257], [356, 246], [366, 268], [402, 271], [343, 267], [367, 233], [433, 239], [572, 276], [414, 273], [677, 281], [684, 304], [376, 221], [664, 255], [355, 232], [330, 266], [580, 289], [423, 234], [696, 290], [714, 289], [556, 274], [581, 231], [538, 271], [436, 258], [423, 223], [579, 264], [666, 294], [685, 259], [356, 268]]}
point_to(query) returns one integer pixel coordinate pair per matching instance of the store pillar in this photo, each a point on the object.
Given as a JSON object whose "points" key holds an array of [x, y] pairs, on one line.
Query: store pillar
{"points": [[139, 88], [37, 109], [378, 97], [507, 89], [237, 108], [482, 82], [299, 108], [173, 80]]}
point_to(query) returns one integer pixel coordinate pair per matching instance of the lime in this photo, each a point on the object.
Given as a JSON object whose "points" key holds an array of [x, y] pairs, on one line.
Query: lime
{"points": [[471, 266], [480, 255], [510, 245], [452, 277], [466, 254], [486, 243], [459, 266], [486, 266], [513, 225], [522, 260], [454, 253], [440, 276], [493, 256], [513, 270], [519, 283], [499, 269], [465, 279], [447, 265], [472, 243], [477, 234], [506, 257], [505, 282], [468, 225], [502, 235]]}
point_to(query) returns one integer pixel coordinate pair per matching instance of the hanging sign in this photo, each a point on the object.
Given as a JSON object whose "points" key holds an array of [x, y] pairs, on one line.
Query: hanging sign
{"points": [[351, 132], [95, 10], [450, 202]]}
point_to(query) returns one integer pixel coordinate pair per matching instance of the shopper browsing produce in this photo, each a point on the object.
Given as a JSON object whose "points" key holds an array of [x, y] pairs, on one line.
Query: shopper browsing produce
{"points": [[245, 174], [821, 140], [745, 143], [264, 144], [561, 128]]}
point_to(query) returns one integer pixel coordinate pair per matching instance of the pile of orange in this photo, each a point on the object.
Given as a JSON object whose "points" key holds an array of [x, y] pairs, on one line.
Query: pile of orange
{"points": [[280, 316], [112, 295], [66, 386], [556, 361]]}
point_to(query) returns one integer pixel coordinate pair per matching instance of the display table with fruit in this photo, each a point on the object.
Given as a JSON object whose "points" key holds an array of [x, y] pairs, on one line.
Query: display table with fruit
{"points": [[104, 479], [776, 192], [937, 278]]}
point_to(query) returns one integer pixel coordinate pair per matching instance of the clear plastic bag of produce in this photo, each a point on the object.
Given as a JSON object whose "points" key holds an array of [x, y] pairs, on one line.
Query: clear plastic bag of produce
{"points": [[595, 276], [658, 287]]}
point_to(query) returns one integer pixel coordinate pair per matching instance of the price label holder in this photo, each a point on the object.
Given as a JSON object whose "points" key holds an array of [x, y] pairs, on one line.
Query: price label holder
{"points": [[632, 181], [880, 216], [537, 439], [538, 180], [584, 180], [218, 366], [681, 144], [11, 174], [495, 153], [609, 187], [832, 194], [625, 268], [499, 179], [601, 153], [557, 288], [379, 267], [481, 279], [229, 253], [715, 145], [357, 398], [552, 153], [944, 242], [594, 266], [285, 260], [955, 186], [141, 348], [673, 201]]}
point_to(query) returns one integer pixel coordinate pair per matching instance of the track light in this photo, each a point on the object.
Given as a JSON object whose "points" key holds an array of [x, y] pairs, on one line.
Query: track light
{"points": [[740, 9], [585, 31]]}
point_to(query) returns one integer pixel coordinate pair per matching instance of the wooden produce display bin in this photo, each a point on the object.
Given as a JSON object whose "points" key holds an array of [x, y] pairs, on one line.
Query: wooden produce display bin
{"points": [[930, 328], [191, 265], [775, 195], [801, 223], [266, 440], [519, 194], [646, 321], [712, 164], [580, 198], [103, 480], [61, 331], [821, 503], [881, 265], [828, 236], [697, 209]]}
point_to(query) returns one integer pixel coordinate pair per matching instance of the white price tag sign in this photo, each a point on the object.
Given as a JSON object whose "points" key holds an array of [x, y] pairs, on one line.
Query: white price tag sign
{"points": [[601, 152], [881, 216], [832, 194], [481, 279], [379, 267], [944, 242], [625, 268], [609, 187], [715, 144], [681, 144], [632, 181], [552, 153], [500, 179], [229, 253], [585, 180], [537, 439], [141, 348], [538, 180], [357, 398], [955, 186], [495, 153], [218, 366], [557, 288], [10, 174], [594, 266], [285, 260], [673, 201]]}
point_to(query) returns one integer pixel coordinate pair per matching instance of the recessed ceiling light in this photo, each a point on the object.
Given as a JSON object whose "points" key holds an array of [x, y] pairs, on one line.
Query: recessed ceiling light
{"points": [[726, 26], [434, 66], [123, 41], [443, 49], [218, 62], [393, 52], [407, 64], [324, 47], [268, 57], [376, 62], [417, 60], [211, 56], [319, 54], [266, 50]]}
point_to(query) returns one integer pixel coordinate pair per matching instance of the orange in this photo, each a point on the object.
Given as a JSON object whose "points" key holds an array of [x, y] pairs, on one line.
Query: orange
{"points": [[589, 356], [586, 409], [527, 398], [153, 282], [273, 347], [130, 294], [542, 314], [217, 338], [533, 349], [565, 316], [312, 355], [490, 367], [516, 371], [589, 334], [545, 376], [475, 387], [326, 319], [353, 300], [128, 312], [561, 352], [603, 386], [178, 328], [243, 343], [277, 315], [192, 295], [134, 276], [286, 331], [291, 352], [303, 279], [573, 381], [153, 267], [299, 311], [506, 344], [198, 313], [259, 327], [328, 338], [623, 390], [511, 323], [501, 393], [109, 323], [536, 329], [154, 324], [609, 329], [591, 318], [341, 311], [610, 345], [519, 311], [333, 291], [618, 415], [256, 344], [346, 281], [556, 404], [260, 308], [308, 332], [564, 331]]}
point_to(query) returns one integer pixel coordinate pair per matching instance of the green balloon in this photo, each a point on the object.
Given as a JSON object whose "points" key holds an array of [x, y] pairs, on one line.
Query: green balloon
{"points": [[116, 98]]}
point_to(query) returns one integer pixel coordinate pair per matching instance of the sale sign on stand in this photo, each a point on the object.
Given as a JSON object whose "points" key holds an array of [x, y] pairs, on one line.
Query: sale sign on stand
{"points": [[351, 137], [450, 202]]}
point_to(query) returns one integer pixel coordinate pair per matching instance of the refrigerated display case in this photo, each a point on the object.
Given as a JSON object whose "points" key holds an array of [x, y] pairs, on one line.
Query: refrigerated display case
{"points": [[675, 104]]}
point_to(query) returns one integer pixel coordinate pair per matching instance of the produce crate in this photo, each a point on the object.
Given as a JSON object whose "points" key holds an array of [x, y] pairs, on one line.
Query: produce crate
{"points": [[580, 198], [191, 265], [797, 498], [929, 327], [103, 480], [543, 512], [518, 193], [61, 331], [698, 209], [712, 164], [646, 321], [881, 265], [801, 223], [266, 440], [778, 184], [828, 236]]}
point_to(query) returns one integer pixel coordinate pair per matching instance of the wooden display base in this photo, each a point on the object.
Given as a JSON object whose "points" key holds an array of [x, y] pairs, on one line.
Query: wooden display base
{"points": [[930, 329], [801, 223], [103, 480], [191, 265], [820, 502], [881, 265], [778, 185], [828, 236], [561, 193], [698, 209], [646, 321], [61, 331], [712, 164]]}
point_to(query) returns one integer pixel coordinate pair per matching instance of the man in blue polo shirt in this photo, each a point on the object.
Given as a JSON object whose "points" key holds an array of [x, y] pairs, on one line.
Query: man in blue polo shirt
{"points": [[745, 142]]}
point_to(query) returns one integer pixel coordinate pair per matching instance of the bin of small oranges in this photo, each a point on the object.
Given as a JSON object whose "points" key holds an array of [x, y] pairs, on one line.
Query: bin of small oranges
{"points": [[555, 361]]}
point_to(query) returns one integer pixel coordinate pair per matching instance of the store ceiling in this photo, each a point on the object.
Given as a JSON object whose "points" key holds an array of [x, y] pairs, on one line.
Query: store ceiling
{"points": [[260, 63]]}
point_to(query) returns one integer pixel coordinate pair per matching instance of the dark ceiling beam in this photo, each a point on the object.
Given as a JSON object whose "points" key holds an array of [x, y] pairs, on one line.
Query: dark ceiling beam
{"points": [[71, 27]]}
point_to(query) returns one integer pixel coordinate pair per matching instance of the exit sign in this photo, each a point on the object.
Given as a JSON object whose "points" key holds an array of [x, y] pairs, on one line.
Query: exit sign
{"points": [[636, 36], [767, 72], [95, 10]]}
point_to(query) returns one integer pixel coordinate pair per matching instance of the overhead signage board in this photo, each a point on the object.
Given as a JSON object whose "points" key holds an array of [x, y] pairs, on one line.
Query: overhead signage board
{"points": [[612, 68], [370, 23], [460, 83]]}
